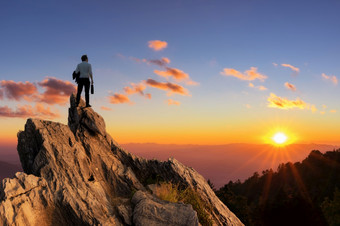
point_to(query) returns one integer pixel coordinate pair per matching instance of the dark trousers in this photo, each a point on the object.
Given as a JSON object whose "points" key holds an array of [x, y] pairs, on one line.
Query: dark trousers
{"points": [[84, 82]]}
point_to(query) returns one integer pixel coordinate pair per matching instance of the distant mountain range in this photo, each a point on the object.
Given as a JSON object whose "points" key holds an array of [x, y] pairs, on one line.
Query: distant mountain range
{"points": [[219, 163], [222, 163], [8, 169]]}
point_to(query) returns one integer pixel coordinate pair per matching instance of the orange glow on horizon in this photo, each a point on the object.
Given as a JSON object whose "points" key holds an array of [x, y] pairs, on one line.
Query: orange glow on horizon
{"points": [[280, 137]]}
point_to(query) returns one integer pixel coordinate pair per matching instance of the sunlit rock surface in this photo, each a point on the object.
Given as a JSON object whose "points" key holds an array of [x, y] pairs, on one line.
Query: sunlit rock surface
{"points": [[76, 174]]}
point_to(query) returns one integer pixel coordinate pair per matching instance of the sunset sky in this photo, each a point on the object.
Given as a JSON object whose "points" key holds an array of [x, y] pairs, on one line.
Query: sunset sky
{"points": [[182, 72]]}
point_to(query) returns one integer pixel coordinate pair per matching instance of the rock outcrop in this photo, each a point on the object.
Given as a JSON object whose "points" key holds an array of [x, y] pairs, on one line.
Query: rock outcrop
{"points": [[76, 174]]}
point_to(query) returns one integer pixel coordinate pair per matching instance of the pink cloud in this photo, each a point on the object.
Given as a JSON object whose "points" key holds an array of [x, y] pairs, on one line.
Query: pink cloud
{"points": [[18, 90], [21, 112], [118, 98], [173, 102], [332, 78], [175, 73], [27, 111], [157, 45], [170, 87], [262, 88], [148, 95], [290, 86], [297, 70], [137, 88], [248, 75], [1, 94], [172, 72], [45, 112], [139, 60], [56, 91], [105, 108], [162, 62]]}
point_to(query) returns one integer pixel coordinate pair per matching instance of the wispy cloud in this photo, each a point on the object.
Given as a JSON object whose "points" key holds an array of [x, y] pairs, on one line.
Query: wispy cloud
{"points": [[162, 62], [261, 88], [121, 56], [137, 88], [21, 112], [168, 86], [295, 69], [105, 108], [157, 45], [45, 112], [290, 86], [118, 98], [332, 78], [56, 91], [248, 75], [139, 60], [172, 72], [18, 90], [177, 74], [283, 103], [173, 102], [169, 72], [28, 111]]}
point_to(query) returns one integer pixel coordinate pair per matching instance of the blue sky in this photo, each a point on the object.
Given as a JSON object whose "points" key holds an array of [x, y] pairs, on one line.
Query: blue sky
{"points": [[47, 38]]}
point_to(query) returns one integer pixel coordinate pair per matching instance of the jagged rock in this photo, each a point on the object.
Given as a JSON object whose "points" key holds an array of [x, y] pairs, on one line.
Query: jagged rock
{"points": [[154, 212], [125, 211], [76, 174]]}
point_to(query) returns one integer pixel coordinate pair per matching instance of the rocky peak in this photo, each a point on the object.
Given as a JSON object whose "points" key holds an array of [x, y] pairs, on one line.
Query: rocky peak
{"points": [[76, 174]]}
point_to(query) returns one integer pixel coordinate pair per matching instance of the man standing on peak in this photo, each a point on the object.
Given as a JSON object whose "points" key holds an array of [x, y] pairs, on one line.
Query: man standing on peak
{"points": [[85, 70]]}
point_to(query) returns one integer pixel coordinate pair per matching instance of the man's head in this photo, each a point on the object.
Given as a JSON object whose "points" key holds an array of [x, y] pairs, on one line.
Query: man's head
{"points": [[84, 58]]}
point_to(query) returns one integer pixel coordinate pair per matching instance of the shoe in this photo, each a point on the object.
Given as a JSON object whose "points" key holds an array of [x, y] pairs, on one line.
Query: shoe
{"points": [[88, 106]]}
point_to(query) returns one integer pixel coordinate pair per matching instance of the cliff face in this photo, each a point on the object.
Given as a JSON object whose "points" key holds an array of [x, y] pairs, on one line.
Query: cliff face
{"points": [[76, 174]]}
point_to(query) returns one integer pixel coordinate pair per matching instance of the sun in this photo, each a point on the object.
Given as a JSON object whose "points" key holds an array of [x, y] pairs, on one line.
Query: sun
{"points": [[279, 138]]}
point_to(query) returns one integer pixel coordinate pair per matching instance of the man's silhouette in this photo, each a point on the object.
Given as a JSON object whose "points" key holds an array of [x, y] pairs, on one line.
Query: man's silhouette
{"points": [[85, 70]]}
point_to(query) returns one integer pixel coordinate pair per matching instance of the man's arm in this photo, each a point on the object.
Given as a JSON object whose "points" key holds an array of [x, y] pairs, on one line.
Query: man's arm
{"points": [[91, 76]]}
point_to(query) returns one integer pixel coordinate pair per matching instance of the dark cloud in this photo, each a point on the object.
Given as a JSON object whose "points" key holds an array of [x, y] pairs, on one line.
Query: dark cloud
{"points": [[18, 90], [56, 91]]}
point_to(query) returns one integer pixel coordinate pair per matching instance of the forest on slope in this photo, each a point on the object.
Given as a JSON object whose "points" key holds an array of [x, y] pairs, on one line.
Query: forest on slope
{"points": [[301, 193]]}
